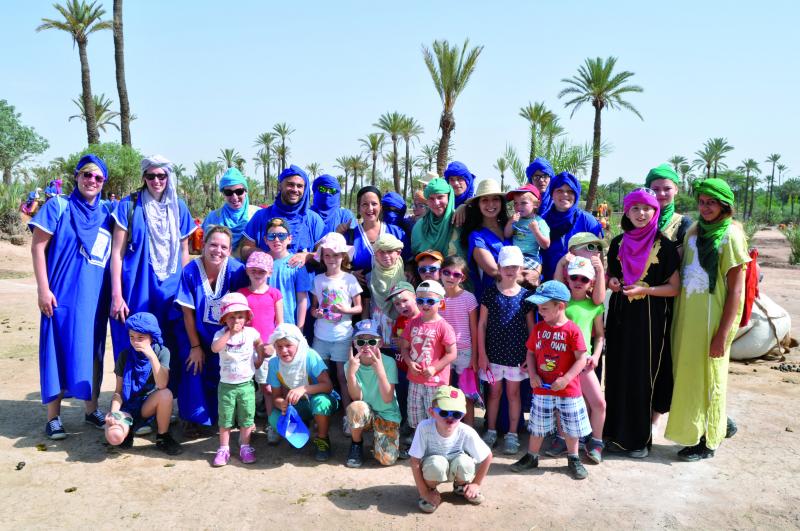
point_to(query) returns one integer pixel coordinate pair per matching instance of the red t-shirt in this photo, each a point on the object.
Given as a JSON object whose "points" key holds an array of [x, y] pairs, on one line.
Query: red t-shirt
{"points": [[263, 307], [554, 350], [428, 342], [397, 332]]}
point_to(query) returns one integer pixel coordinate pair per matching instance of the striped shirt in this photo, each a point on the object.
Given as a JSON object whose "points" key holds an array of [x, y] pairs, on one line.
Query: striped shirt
{"points": [[456, 312]]}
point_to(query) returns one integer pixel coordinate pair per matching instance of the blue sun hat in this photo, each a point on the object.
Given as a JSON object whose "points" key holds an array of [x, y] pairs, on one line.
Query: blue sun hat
{"points": [[292, 428]]}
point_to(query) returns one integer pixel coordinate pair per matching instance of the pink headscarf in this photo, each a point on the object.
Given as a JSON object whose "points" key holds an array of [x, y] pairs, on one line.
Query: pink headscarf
{"points": [[637, 243]]}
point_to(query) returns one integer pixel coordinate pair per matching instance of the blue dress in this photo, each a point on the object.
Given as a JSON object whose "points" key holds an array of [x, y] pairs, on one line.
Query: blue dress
{"points": [[305, 230], [559, 240], [197, 393], [362, 249], [74, 338], [483, 238]]}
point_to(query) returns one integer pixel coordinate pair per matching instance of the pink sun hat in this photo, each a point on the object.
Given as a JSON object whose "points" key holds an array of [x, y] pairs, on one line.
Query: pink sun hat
{"points": [[234, 302], [336, 243]]}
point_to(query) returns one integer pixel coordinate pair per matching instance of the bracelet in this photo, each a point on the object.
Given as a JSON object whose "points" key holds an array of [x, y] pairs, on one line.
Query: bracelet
{"points": [[195, 346]]}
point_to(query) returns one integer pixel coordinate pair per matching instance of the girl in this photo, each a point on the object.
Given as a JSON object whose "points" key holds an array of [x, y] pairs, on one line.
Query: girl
{"points": [[458, 304], [708, 307], [336, 297], [435, 229], [294, 282], [643, 275], [504, 324]]}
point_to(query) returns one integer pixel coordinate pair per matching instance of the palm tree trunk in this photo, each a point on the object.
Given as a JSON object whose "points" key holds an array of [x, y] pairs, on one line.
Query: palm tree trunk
{"points": [[374, 161], [122, 89], [752, 196], [7, 176], [446, 123], [533, 144], [746, 189], [266, 183], [283, 154], [408, 168], [395, 169], [595, 162], [88, 103]]}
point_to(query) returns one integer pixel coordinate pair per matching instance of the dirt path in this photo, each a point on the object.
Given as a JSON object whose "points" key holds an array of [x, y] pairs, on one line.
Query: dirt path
{"points": [[754, 482]]}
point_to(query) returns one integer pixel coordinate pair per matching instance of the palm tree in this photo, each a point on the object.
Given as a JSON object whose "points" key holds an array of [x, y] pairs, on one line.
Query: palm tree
{"points": [[450, 71], [597, 84], [263, 159], [283, 130], [791, 188], [282, 152], [229, 157], [122, 88], [313, 169], [719, 146], [550, 131], [748, 166], [684, 170], [411, 130], [373, 144], [676, 162], [502, 166], [343, 163], [773, 158], [538, 116], [81, 20], [104, 116], [264, 142], [392, 124], [427, 156]]}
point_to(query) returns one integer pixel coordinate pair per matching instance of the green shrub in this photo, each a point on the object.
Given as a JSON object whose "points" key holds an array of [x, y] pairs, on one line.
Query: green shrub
{"points": [[751, 226], [123, 167], [793, 235], [10, 198]]}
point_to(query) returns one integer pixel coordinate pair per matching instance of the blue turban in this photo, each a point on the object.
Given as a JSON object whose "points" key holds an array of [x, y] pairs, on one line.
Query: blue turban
{"points": [[232, 177], [394, 200], [145, 323], [298, 210], [459, 169], [87, 218], [91, 159], [234, 219], [323, 204], [544, 166], [138, 369], [560, 222]]}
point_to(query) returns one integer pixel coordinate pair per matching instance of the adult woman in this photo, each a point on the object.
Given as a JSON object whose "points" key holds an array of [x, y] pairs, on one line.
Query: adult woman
{"points": [[462, 180], [707, 312], [643, 274], [539, 173], [71, 246], [236, 211], [435, 230], [149, 250], [327, 203], [205, 280], [665, 182], [565, 219], [482, 234]]}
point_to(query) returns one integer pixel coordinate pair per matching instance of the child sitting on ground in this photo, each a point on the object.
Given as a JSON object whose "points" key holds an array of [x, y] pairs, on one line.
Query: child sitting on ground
{"points": [[445, 449], [428, 265], [141, 393], [240, 351], [526, 228], [371, 377], [556, 356]]}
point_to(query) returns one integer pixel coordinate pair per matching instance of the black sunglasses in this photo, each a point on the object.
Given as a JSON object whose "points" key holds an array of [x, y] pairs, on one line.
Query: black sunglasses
{"points": [[159, 176], [239, 191], [579, 278]]}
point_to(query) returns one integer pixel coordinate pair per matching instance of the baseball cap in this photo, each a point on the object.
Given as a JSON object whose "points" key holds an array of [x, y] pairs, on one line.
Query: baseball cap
{"points": [[552, 290], [399, 288], [436, 255], [431, 286], [367, 327], [528, 188], [259, 260], [581, 266], [582, 238], [510, 255], [450, 399]]}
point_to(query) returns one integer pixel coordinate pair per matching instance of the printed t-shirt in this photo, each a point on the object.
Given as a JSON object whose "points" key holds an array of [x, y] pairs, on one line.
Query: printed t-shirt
{"points": [[237, 359], [428, 342], [330, 291], [554, 350]]}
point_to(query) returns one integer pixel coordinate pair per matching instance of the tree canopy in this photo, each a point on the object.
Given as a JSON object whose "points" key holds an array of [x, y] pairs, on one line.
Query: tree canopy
{"points": [[17, 141]]}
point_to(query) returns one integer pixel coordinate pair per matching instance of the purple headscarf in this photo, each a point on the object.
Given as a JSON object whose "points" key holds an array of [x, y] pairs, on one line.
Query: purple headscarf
{"points": [[637, 242]]}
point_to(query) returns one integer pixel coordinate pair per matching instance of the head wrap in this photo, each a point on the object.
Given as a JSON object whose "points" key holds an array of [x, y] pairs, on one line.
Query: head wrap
{"points": [[382, 279], [137, 366], [293, 373], [393, 200], [544, 166], [324, 204], [292, 213], [710, 234], [663, 171], [433, 232], [234, 219], [634, 250], [86, 218], [561, 222], [459, 169], [165, 245]]}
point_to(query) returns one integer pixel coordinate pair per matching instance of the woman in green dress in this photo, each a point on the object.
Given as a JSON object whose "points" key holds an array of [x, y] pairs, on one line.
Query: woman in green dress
{"points": [[707, 311]]}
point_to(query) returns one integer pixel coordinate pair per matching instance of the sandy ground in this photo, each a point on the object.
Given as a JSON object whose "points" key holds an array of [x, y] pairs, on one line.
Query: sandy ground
{"points": [[754, 481]]}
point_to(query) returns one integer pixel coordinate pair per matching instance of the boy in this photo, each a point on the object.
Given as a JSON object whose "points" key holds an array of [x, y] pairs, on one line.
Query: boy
{"points": [[428, 347], [371, 377], [555, 358], [446, 449], [428, 264], [528, 230], [293, 281], [405, 304]]}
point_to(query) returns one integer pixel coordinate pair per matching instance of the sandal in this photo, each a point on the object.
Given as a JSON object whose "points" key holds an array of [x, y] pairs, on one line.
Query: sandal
{"points": [[425, 506]]}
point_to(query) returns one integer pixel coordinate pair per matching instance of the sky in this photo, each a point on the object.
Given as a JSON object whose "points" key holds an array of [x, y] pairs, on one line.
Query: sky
{"points": [[206, 75]]}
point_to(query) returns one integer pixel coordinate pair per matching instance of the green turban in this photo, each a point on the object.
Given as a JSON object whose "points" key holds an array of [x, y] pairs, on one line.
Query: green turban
{"points": [[664, 171]]}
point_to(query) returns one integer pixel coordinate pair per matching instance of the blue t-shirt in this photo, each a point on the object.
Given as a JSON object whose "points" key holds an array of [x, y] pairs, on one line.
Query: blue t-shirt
{"points": [[483, 238], [524, 239], [306, 230], [314, 366], [290, 281]]}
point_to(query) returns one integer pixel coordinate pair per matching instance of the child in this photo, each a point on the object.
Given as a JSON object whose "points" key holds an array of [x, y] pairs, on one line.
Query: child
{"points": [[299, 377], [294, 282], [371, 377], [504, 323], [461, 311], [428, 347], [445, 449], [266, 303], [141, 392], [240, 352], [556, 356], [404, 300], [526, 228], [589, 246], [428, 265], [335, 298]]}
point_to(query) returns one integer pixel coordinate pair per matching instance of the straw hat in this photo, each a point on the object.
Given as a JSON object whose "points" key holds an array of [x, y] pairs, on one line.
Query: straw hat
{"points": [[486, 187]]}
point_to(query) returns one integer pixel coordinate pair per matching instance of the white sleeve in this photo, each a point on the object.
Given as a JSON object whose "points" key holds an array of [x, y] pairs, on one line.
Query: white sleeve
{"points": [[475, 446], [417, 449]]}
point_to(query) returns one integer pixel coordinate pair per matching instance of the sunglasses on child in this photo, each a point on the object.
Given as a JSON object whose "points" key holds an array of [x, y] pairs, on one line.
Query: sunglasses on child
{"points": [[428, 269], [453, 274], [424, 301], [579, 278], [280, 236], [239, 191], [153, 176], [591, 247], [88, 175], [445, 414], [327, 190], [360, 343]]}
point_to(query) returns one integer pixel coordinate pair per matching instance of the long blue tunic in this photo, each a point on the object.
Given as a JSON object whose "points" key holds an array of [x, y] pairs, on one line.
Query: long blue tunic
{"points": [[73, 339], [483, 238], [362, 251]]}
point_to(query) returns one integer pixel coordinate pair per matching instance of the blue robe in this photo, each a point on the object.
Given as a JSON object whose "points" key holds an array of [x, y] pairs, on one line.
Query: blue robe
{"points": [[73, 340], [559, 240], [362, 251], [306, 230]]}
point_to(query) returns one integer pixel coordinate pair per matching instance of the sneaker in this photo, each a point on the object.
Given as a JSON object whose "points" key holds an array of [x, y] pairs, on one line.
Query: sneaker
{"points": [[696, 452], [96, 418], [356, 456], [323, 452], [146, 429], [273, 437], [576, 468], [167, 444], [402, 454], [54, 429], [247, 454], [557, 448], [641, 453], [490, 438], [510, 444], [731, 428], [346, 427], [222, 457], [527, 462], [594, 450], [458, 490], [425, 506]]}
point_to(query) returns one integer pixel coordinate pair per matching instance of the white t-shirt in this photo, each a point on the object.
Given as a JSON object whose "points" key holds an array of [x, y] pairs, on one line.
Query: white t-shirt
{"points": [[335, 290], [237, 359], [465, 439]]}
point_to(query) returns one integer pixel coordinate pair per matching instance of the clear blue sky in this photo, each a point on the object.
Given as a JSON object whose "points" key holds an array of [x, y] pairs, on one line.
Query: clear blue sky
{"points": [[206, 75]]}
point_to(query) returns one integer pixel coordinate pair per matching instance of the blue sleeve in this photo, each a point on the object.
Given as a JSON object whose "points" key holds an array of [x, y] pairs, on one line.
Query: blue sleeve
{"points": [[120, 213], [239, 278], [254, 227], [592, 225], [187, 226], [185, 296], [48, 216], [346, 216], [272, 376], [304, 281], [401, 235], [317, 228], [314, 364]]}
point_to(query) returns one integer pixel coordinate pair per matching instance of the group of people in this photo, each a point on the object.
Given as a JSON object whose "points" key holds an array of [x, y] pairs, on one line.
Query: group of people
{"points": [[303, 309]]}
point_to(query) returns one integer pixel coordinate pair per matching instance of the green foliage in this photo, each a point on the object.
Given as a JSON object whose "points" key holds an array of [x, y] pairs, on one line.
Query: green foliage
{"points": [[124, 167], [793, 235], [750, 227], [17, 141], [103, 113], [10, 198], [199, 190]]}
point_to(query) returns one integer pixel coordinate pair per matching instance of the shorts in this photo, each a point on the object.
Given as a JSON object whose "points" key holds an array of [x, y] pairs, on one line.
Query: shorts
{"points": [[571, 409], [238, 399], [308, 407], [134, 408], [463, 360], [338, 351], [386, 446], [504, 372], [439, 469], [420, 399], [530, 261]]}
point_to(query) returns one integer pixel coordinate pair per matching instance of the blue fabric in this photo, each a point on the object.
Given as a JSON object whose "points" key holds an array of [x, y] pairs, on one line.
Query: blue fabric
{"points": [[86, 218], [145, 323], [459, 169], [362, 253], [290, 281], [137, 365], [483, 238], [394, 200], [301, 207], [74, 338], [306, 230], [91, 159], [197, 393], [234, 219], [329, 206], [543, 165]]}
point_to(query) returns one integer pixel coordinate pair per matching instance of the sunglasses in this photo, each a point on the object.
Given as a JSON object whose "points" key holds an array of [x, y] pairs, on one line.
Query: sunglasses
{"points": [[592, 247], [428, 269], [541, 177], [239, 191], [445, 414], [364, 342], [280, 236], [88, 175], [579, 278], [420, 205], [646, 190], [327, 190], [153, 176], [452, 274], [427, 301]]}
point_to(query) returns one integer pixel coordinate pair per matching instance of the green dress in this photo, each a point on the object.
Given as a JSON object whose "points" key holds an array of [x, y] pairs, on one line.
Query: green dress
{"points": [[698, 398]]}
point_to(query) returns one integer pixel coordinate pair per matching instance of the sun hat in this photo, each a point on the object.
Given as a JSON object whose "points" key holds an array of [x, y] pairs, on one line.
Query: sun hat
{"points": [[367, 327], [399, 288], [580, 239], [259, 260], [528, 188], [234, 302], [428, 177], [552, 290], [450, 399], [431, 286], [510, 255], [292, 428], [581, 266], [336, 243], [486, 187], [436, 255]]}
